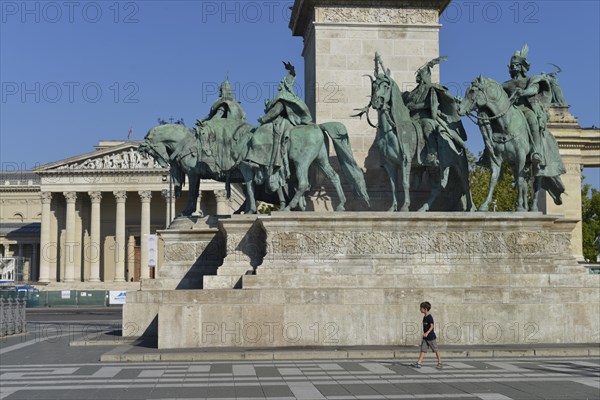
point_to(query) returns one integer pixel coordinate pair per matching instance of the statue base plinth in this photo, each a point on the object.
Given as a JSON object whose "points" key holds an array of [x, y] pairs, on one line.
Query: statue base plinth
{"points": [[355, 279]]}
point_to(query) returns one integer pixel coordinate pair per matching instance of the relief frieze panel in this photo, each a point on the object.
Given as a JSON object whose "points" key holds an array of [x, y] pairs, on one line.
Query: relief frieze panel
{"points": [[381, 15], [130, 159], [323, 245]]}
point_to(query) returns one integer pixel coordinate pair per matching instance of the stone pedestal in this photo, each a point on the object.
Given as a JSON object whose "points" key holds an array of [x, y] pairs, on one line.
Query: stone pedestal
{"points": [[191, 249], [244, 251], [330, 279], [340, 41]]}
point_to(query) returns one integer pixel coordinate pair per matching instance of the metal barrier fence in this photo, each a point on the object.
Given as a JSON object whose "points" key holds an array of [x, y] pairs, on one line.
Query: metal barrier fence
{"points": [[12, 316], [59, 298]]}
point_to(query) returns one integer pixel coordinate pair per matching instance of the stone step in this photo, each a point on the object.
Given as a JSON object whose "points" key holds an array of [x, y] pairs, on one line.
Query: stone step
{"points": [[409, 281], [222, 282], [234, 270]]}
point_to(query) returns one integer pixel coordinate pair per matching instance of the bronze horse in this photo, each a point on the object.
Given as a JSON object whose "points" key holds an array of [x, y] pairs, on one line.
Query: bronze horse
{"points": [[222, 147], [506, 133], [401, 144]]}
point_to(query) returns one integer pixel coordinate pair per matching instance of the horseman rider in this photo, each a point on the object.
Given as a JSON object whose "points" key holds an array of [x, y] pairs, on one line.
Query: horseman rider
{"points": [[530, 95], [435, 110], [225, 106], [286, 110]]}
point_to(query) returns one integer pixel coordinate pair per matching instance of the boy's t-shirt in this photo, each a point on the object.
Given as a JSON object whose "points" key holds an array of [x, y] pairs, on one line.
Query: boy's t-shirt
{"points": [[427, 321]]}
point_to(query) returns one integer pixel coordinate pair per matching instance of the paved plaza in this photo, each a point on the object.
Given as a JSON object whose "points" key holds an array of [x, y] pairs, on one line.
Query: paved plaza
{"points": [[43, 365]]}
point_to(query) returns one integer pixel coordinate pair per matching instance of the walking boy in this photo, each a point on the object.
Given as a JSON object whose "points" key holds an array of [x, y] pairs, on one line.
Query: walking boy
{"points": [[428, 337]]}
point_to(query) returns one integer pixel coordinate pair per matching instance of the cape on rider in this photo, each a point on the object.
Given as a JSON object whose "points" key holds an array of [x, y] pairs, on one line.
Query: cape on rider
{"points": [[285, 111], [431, 105]]}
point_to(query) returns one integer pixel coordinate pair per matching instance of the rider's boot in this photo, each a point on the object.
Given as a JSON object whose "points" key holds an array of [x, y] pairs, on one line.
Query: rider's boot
{"points": [[274, 152], [431, 160], [536, 156]]}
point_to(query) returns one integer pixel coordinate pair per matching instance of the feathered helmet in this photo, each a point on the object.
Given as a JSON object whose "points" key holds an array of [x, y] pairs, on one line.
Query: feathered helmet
{"points": [[289, 80], [226, 89], [425, 70], [520, 57]]}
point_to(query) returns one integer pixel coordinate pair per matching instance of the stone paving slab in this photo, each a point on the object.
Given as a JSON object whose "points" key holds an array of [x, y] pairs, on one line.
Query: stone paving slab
{"points": [[138, 351]]}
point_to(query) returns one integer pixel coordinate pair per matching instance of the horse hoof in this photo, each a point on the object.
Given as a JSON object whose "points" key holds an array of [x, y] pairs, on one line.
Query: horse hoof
{"points": [[483, 208], [404, 209], [287, 209], [392, 209], [340, 208], [425, 208]]}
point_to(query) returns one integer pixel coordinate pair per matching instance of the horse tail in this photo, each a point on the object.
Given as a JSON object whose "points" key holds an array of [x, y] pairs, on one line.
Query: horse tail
{"points": [[554, 186], [352, 172]]}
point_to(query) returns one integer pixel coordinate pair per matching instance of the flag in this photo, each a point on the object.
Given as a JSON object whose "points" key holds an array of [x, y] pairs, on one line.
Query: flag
{"points": [[129, 134]]}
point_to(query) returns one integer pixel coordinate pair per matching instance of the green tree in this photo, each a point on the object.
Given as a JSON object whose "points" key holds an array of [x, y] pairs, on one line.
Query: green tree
{"points": [[590, 220], [505, 194]]}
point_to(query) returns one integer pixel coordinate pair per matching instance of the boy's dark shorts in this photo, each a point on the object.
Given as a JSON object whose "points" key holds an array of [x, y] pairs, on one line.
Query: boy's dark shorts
{"points": [[429, 344]]}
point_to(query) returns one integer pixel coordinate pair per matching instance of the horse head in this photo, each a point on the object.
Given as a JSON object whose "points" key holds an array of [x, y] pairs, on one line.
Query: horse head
{"points": [[475, 96], [156, 151], [381, 91]]}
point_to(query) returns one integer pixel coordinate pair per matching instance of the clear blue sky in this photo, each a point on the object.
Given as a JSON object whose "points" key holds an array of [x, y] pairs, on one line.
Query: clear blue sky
{"points": [[76, 72]]}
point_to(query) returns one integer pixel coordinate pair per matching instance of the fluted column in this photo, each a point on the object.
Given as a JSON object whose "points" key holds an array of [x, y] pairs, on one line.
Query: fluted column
{"points": [[120, 197], [222, 202], [94, 253], [169, 207], [71, 198], [145, 196], [45, 238]]}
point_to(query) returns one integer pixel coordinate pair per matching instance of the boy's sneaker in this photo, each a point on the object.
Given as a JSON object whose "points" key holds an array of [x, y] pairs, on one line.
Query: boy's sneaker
{"points": [[415, 365]]}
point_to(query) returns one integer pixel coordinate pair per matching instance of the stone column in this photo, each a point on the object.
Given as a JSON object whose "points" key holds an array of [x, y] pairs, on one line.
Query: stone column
{"points": [[45, 238], [24, 264], [94, 252], [169, 207], [222, 202], [71, 198], [130, 258], [199, 204], [34, 261], [145, 196], [173, 207], [120, 197]]}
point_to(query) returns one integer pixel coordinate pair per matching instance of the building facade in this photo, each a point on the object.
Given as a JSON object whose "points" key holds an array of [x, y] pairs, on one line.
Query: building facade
{"points": [[82, 221]]}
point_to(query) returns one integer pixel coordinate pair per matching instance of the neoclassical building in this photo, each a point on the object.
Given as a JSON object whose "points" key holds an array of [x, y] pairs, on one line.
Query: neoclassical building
{"points": [[81, 221]]}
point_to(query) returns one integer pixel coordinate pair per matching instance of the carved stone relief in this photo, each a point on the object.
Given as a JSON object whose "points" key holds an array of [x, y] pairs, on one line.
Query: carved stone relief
{"points": [[125, 160], [382, 15]]}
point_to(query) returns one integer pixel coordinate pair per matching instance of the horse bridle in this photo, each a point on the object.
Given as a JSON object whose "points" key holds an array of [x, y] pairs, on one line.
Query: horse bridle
{"points": [[156, 153], [475, 119]]}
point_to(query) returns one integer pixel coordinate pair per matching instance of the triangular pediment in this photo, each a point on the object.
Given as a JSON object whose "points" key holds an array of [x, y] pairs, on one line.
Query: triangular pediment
{"points": [[119, 157]]}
